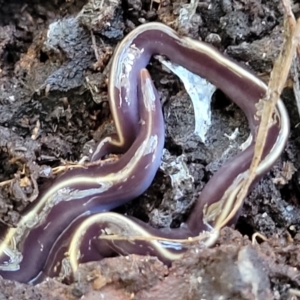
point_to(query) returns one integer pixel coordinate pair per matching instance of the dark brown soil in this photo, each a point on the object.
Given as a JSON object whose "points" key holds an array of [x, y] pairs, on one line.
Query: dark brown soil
{"points": [[53, 99]]}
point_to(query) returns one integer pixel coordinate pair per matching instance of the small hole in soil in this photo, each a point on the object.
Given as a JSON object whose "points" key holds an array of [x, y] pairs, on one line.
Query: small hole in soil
{"points": [[220, 100], [173, 148], [10, 56], [43, 57], [244, 227], [270, 19], [7, 167]]}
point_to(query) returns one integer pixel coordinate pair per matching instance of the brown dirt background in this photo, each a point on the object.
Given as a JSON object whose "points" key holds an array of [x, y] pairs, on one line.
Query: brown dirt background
{"points": [[53, 99]]}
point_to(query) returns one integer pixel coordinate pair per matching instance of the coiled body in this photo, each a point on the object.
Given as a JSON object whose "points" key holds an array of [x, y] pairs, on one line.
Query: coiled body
{"points": [[70, 215]]}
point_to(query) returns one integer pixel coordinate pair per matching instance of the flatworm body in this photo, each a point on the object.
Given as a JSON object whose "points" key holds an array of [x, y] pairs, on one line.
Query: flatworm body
{"points": [[65, 224]]}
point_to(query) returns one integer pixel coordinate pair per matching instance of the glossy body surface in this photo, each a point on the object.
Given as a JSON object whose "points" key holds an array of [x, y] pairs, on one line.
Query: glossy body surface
{"points": [[70, 214]]}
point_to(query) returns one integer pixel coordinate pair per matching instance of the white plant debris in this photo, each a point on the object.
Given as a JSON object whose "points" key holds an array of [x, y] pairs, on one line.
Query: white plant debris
{"points": [[200, 92], [178, 171]]}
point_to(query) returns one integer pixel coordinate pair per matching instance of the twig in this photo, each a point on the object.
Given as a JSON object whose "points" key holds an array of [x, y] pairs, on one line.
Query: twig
{"points": [[277, 82]]}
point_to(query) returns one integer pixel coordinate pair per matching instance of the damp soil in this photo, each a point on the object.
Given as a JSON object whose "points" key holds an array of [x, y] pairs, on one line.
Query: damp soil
{"points": [[54, 64]]}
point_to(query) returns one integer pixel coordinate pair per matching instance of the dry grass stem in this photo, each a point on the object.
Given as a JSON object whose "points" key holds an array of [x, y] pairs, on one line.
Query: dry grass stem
{"points": [[277, 82]]}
